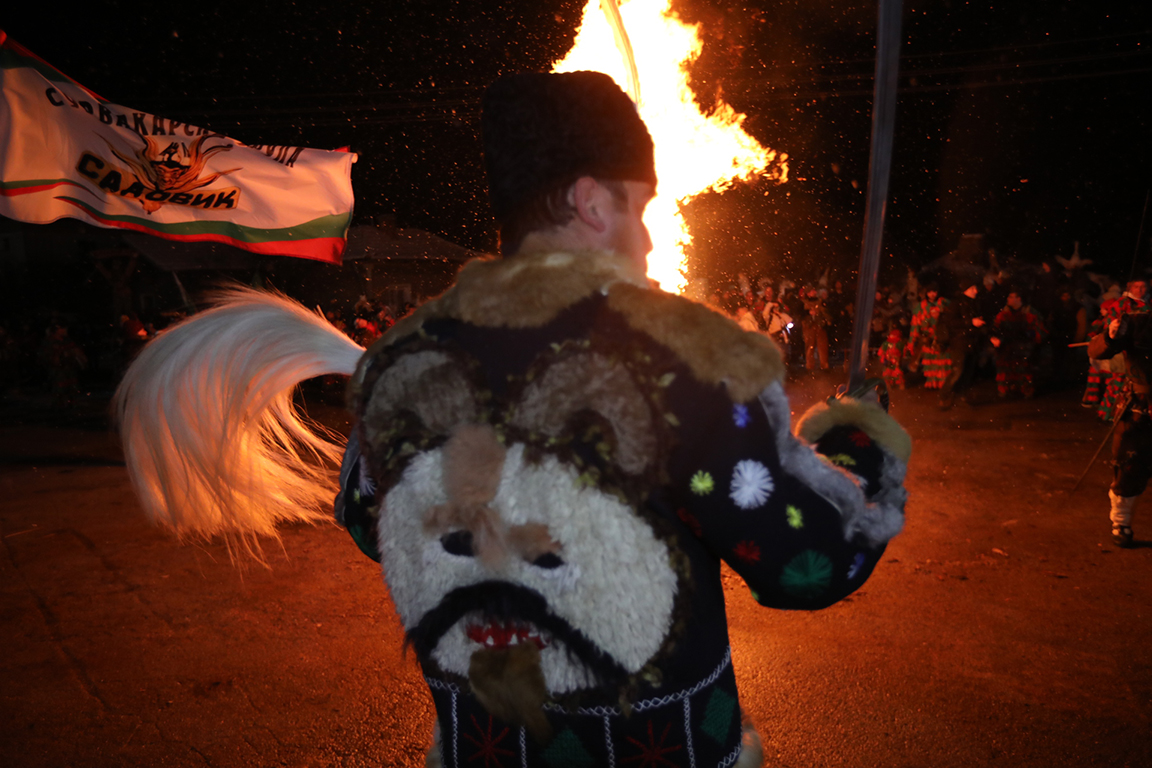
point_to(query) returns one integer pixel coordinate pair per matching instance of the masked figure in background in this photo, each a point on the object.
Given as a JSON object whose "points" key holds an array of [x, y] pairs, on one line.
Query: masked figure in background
{"points": [[1016, 333], [1112, 387], [550, 460], [777, 321], [960, 333], [816, 322], [891, 354], [1130, 336], [923, 345]]}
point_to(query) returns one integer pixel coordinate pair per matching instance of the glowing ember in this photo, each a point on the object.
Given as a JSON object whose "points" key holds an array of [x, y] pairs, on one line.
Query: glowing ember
{"points": [[694, 152]]}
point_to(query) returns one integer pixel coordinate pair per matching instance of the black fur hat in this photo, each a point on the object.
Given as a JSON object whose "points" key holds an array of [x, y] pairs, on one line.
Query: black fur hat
{"points": [[547, 130]]}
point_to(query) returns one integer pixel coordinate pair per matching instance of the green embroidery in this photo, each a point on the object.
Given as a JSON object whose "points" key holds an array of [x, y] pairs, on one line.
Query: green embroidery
{"points": [[566, 751], [718, 715], [842, 460], [808, 575], [587, 479], [795, 516], [701, 483]]}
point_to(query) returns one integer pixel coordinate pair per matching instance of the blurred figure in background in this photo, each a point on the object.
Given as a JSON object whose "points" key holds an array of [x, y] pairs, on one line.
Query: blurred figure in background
{"points": [[1016, 333], [961, 334]]}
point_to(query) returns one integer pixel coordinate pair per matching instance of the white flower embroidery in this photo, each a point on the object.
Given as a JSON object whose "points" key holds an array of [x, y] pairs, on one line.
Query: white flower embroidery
{"points": [[751, 484]]}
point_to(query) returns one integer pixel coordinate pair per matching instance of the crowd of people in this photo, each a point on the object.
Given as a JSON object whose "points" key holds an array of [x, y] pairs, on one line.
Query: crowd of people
{"points": [[940, 331], [811, 325], [943, 331], [1042, 328], [368, 320], [54, 358]]}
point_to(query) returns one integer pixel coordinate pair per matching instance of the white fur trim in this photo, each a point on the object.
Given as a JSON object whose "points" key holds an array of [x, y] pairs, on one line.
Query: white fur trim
{"points": [[884, 430], [212, 440], [878, 520]]}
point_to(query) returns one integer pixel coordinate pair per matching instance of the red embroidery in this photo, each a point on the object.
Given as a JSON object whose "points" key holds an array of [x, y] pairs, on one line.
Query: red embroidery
{"points": [[689, 520], [748, 551], [652, 754], [860, 439], [486, 744]]}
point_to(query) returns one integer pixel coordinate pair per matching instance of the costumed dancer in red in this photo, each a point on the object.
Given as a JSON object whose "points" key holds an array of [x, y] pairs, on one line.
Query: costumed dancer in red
{"points": [[891, 353], [1133, 301], [923, 345], [1131, 337], [1016, 333]]}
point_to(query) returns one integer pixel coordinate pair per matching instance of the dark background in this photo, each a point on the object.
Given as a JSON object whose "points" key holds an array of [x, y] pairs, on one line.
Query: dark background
{"points": [[1026, 122]]}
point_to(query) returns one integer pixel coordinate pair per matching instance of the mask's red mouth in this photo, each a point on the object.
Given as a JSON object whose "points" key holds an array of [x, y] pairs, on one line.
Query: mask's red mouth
{"points": [[500, 636]]}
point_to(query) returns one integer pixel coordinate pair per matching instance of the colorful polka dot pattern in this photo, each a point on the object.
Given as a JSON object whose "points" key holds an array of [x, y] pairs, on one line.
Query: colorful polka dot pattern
{"points": [[786, 541]]}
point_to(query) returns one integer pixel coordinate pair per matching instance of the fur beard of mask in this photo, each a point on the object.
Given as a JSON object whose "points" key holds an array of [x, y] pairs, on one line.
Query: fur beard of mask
{"points": [[510, 684]]}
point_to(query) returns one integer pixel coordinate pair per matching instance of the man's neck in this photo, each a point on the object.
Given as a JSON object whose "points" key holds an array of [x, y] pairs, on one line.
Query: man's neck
{"points": [[560, 239]]}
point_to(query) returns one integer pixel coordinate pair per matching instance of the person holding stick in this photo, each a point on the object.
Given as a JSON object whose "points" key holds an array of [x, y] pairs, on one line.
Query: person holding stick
{"points": [[550, 460], [1129, 335]]}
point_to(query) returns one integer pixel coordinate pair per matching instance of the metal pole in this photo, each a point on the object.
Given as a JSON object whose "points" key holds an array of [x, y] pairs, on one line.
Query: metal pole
{"points": [[879, 165]]}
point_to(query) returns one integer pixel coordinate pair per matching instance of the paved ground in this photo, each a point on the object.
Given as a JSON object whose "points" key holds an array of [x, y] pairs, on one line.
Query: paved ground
{"points": [[1002, 628]]}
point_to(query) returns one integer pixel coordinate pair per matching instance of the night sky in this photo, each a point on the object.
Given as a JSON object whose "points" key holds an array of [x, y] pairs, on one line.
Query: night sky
{"points": [[1027, 122]]}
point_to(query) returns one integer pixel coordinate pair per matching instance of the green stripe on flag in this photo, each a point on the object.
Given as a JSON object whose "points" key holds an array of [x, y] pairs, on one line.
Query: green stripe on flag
{"points": [[34, 183], [334, 225]]}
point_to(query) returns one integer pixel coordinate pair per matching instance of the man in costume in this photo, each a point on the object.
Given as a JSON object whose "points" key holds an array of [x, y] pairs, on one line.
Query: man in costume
{"points": [[777, 321], [924, 346], [891, 354], [960, 335], [815, 323], [552, 458], [1016, 333], [1129, 335], [1132, 301]]}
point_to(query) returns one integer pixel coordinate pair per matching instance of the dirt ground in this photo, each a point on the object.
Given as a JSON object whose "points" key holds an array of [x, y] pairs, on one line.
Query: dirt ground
{"points": [[1002, 627]]}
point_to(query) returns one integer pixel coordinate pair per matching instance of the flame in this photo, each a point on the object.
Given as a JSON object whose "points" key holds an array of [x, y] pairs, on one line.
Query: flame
{"points": [[694, 152]]}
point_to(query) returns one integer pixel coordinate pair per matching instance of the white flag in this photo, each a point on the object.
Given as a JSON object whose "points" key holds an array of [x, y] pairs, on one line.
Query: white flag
{"points": [[64, 151]]}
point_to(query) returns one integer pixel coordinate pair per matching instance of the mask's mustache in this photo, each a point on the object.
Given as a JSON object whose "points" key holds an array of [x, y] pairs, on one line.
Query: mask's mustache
{"points": [[505, 602]]}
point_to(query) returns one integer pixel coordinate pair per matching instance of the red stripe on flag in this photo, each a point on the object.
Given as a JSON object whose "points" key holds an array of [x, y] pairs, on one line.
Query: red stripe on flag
{"points": [[40, 188], [327, 249]]}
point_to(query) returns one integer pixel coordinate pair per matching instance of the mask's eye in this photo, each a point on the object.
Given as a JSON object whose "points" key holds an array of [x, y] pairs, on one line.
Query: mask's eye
{"points": [[548, 560], [458, 543]]}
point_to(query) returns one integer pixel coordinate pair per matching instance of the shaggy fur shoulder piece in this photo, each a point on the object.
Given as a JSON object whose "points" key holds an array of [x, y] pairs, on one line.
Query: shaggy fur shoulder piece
{"points": [[871, 419], [716, 349], [529, 290], [522, 291]]}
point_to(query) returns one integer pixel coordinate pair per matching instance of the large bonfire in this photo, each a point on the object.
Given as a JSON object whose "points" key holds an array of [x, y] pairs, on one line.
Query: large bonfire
{"points": [[647, 51]]}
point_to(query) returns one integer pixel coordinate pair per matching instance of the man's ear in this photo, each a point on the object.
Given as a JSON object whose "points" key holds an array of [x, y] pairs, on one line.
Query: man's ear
{"points": [[589, 199]]}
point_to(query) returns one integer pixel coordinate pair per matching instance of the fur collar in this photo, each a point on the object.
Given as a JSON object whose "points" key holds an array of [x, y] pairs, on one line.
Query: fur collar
{"points": [[529, 290]]}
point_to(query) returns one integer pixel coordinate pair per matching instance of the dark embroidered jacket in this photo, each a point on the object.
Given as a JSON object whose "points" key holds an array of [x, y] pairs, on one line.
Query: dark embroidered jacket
{"points": [[554, 455]]}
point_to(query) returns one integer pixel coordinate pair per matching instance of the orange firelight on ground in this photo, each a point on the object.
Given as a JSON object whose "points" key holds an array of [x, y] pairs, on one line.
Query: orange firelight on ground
{"points": [[694, 152]]}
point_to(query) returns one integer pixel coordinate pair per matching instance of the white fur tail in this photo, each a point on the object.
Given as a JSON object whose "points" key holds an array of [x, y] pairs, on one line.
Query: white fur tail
{"points": [[211, 437]]}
